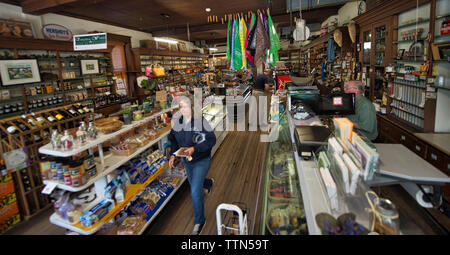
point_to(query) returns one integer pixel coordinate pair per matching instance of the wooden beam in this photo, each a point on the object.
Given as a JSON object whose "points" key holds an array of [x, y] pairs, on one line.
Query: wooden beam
{"points": [[39, 7], [311, 16]]}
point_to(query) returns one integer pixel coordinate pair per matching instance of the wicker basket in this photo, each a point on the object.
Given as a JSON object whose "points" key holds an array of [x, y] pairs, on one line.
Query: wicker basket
{"points": [[109, 127], [301, 221], [132, 149]]}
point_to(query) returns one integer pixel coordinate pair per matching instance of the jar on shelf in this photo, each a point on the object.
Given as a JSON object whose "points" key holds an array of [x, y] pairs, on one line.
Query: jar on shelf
{"points": [[385, 217], [67, 141]]}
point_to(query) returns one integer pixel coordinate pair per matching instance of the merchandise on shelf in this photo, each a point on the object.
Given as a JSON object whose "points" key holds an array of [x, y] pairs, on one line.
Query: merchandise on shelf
{"points": [[73, 173], [9, 211], [97, 213]]}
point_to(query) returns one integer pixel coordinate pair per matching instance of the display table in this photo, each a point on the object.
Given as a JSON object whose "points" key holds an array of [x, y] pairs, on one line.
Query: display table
{"points": [[398, 161]]}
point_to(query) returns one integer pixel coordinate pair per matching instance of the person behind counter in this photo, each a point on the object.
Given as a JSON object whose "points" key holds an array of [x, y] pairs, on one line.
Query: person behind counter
{"points": [[262, 82], [365, 117], [262, 91]]}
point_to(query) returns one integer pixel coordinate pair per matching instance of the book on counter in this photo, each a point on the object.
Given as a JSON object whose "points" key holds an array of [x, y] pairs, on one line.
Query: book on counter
{"points": [[330, 186], [367, 155], [342, 171], [343, 129]]}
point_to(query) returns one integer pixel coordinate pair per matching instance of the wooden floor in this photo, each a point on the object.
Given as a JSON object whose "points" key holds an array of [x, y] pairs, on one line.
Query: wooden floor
{"points": [[237, 169]]}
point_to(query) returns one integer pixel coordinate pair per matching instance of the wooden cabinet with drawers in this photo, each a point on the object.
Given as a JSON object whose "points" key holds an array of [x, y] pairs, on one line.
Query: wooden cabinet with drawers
{"points": [[391, 132]]}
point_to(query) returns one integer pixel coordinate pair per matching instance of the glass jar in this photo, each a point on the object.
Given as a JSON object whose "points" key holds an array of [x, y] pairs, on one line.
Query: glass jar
{"points": [[138, 115], [385, 220]]}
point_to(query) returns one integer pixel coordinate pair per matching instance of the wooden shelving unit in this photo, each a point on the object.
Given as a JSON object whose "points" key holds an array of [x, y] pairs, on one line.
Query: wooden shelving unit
{"points": [[180, 67], [60, 71], [28, 181]]}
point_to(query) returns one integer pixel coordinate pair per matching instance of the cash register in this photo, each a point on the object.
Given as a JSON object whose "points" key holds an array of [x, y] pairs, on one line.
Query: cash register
{"points": [[309, 138]]}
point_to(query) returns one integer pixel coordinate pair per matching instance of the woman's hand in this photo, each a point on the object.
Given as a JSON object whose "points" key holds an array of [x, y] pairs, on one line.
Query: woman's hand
{"points": [[189, 151], [171, 161]]}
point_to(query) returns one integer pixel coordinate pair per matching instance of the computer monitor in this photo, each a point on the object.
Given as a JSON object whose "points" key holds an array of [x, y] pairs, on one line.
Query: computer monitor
{"points": [[335, 104]]}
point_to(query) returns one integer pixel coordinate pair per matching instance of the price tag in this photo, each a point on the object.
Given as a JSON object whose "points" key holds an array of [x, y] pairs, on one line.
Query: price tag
{"points": [[337, 100], [49, 188]]}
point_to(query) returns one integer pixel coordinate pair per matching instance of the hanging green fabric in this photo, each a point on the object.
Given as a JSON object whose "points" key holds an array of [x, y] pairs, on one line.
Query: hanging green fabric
{"points": [[237, 54], [228, 41], [274, 42]]}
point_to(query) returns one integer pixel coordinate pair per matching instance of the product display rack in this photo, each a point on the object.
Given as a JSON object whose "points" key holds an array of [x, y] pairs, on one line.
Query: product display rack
{"points": [[132, 192], [282, 194], [106, 164], [28, 181]]}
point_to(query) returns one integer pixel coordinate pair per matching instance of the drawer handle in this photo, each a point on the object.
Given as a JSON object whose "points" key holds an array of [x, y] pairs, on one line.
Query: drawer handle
{"points": [[434, 157], [403, 138], [417, 147]]}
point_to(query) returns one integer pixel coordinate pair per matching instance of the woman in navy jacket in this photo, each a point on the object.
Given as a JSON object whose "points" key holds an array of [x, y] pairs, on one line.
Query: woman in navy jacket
{"points": [[191, 132]]}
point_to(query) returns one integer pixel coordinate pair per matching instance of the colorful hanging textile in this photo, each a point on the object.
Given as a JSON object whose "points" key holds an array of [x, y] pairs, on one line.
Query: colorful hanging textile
{"points": [[274, 42], [233, 31], [242, 35], [250, 53], [237, 54], [262, 40], [228, 41]]}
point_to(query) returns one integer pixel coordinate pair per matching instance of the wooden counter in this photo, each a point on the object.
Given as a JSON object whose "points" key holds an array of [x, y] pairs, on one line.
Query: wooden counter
{"points": [[440, 141]]}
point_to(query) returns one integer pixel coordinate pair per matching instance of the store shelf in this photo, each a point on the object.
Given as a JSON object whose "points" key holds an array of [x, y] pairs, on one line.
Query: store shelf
{"points": [[442, 16], [132, 192], [408, 61], [12, 99], [47, 149], [111, 163], [403, 110], [447, 36], [412, 24], [162, 206], [409, 41]]}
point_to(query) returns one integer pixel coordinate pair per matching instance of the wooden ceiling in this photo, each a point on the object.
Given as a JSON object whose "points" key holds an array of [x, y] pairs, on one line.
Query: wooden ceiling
{"points": [[148, 16]]}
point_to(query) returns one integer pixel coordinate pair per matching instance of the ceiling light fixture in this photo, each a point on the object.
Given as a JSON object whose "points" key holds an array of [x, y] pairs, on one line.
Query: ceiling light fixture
{"points": [[208, 9], [213, 49], [159, 39]]}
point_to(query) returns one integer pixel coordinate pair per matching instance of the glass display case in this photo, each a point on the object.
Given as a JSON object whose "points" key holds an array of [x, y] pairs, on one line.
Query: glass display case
{"points": [[282, 211]]}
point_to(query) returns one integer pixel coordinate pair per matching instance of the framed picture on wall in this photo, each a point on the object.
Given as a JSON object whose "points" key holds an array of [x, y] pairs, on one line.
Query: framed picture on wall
{"points": [[16, 28], [20, 71], [89, 66]]}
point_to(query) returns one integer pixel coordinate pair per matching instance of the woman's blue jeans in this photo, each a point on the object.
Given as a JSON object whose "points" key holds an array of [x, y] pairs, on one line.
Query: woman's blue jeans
{"points": [[196, 173]]}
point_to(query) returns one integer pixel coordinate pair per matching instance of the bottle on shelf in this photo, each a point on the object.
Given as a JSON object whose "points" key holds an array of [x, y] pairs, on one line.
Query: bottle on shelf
{"points": [[78, 108], [49, 116], [73, 112], [57, 115], [21, 125], [41, 121], [30, 121], [11, 129]]}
